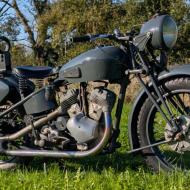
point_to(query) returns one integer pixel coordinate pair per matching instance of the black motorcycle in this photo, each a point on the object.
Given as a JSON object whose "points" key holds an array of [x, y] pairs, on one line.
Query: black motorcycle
{"points": [[44, 114]]}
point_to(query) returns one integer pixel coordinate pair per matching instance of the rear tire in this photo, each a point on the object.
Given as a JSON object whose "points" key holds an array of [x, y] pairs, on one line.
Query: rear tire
{"points": [[152, 127], [11, 164], [7, 162]]}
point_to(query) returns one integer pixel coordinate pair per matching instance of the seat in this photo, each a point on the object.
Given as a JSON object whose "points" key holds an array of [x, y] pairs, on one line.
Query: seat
{"points": [[34, 71]]}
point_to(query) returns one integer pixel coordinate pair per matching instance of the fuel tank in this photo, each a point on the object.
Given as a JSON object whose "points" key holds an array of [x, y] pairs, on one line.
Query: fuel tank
{"points": [[101, 63]]}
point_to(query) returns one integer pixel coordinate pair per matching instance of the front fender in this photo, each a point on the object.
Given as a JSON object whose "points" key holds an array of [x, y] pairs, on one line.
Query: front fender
{"points": [[177, 71]]}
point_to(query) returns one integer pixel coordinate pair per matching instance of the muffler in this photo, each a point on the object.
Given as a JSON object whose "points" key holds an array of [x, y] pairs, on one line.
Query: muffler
{"points": [[60, 154]]}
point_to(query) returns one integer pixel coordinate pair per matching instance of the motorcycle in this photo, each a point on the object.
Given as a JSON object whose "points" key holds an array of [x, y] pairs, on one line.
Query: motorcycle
{"points": [[44, 114]]}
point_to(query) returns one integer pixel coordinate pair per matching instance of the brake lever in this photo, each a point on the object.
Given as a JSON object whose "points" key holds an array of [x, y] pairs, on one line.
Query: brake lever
{"points": [[68, 40], [69, 37]]}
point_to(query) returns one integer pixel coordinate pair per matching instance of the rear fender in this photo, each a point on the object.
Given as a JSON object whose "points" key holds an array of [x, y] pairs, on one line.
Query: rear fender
{"points": [[4, 90], [9, 89], [178, 71]]}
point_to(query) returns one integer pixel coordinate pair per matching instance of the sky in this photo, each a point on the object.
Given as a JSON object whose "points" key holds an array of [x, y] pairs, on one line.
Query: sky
{"points": [[24, 6]]}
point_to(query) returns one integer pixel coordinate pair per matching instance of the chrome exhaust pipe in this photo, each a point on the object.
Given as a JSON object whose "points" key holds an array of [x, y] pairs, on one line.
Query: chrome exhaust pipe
{"points": [[68, 154], [35, 125]]}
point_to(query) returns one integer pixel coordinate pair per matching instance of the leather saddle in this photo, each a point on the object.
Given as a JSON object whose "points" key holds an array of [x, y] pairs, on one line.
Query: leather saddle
{"points": [[34, 71]]}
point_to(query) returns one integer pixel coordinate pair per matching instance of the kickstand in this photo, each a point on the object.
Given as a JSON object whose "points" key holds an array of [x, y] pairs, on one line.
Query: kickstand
{"points": [[113, 145]]}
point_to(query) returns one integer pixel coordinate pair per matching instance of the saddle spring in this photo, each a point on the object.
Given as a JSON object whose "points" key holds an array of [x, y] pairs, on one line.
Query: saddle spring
{"points": [[22, 84]]}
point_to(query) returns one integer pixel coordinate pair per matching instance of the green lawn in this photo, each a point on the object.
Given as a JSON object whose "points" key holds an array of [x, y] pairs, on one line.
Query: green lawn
{"points": [[117, 171]]}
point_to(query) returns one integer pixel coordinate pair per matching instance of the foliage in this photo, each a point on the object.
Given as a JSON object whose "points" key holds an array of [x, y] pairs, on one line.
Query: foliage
{"points": [[20, 56], [105, 16], [47, 21], [9, 28], [30, 22]]}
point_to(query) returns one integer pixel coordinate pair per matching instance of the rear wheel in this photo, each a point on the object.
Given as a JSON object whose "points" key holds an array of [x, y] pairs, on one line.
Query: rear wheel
{"points": [[9, 124], [153, 128]]}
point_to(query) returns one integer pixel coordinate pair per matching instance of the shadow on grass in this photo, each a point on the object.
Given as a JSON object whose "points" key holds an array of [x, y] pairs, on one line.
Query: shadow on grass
{"points": [[120, 162]]}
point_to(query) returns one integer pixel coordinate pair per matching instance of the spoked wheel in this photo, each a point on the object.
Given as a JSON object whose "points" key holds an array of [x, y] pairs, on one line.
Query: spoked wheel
{"points": [[153, 128], [8, 162], [10, 124]]}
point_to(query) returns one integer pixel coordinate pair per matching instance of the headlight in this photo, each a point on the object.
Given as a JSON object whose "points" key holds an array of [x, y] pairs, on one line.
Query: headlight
{"points": [[164, 31]]}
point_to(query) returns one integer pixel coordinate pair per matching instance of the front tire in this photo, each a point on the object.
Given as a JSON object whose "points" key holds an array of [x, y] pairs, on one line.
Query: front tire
{"points": [[152, 127]]}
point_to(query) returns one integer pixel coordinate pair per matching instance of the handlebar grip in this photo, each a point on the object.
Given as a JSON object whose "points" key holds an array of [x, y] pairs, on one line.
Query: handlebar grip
{"points": [[82, 39]]}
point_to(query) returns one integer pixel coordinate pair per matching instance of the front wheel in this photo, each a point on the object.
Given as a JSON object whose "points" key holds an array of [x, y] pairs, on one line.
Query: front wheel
{"points": [[152, 127]]}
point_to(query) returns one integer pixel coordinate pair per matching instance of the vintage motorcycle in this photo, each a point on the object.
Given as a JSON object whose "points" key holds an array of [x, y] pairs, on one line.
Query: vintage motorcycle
{"points": [[44, 114]]}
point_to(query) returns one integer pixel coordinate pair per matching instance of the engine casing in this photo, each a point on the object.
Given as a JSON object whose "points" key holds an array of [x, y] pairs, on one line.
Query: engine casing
{"points": [[82, 128]]}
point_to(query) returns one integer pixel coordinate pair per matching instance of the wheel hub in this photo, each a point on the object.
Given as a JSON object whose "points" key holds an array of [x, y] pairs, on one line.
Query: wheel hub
{"points": [[181, 139]]}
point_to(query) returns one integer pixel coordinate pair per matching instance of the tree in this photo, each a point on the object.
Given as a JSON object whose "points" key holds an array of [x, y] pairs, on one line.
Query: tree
{"points": [[8, 24], [19, 55], [47, 21], [32, 22]]}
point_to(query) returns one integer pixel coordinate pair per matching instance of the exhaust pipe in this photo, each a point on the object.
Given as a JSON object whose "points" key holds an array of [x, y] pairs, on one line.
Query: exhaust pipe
{"points": [[66, 154], [35, 125]]}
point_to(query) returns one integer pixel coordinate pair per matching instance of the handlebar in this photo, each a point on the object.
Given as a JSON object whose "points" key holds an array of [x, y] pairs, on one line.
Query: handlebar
{"points": [[85, 38], [89, 38]]}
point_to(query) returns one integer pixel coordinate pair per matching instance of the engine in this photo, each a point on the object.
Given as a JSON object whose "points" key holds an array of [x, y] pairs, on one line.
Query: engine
{"points": [[75, 128]]}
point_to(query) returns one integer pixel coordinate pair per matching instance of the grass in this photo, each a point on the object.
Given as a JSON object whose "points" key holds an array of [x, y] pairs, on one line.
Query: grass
{"points": [[116, 171]]}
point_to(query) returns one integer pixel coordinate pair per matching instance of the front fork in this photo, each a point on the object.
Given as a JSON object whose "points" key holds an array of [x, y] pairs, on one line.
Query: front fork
{"points": [[148, 70], [171, 120], [116, 130]]}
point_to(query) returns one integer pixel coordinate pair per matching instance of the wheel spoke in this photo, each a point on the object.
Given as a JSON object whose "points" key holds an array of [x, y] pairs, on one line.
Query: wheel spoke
{"points": [[10, 122], [169, 154]]}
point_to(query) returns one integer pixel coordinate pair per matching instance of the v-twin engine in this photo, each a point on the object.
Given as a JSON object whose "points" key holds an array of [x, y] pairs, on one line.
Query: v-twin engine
{"points": [[86, 128]]}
